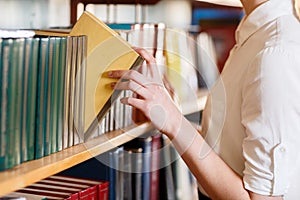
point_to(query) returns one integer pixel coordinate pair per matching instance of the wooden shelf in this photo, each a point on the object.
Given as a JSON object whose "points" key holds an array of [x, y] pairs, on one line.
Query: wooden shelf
{"points": [[196, 104], [29, 172], [33, 171]]}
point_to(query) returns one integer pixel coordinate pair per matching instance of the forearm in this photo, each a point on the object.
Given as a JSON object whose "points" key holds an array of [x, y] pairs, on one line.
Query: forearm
{"points": [[214, 175]]}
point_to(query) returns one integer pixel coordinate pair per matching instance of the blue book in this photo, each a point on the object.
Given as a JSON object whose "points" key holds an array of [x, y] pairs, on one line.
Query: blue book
{"points": [[120, 26], [141, 162]]}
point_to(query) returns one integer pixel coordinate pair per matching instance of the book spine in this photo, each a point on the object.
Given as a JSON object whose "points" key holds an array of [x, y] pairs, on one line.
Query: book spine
{"points": [[146, 168], [41, 97], [79, 95], [6, 46], [127, 173], [68, 60], [155, 165], [44, 194], [72, 91], [76, 81], [32, 97], [82, 73], [167, 183], [93, 193], [25, 111], [19, 99], [48, 97], [54, 95], [60, 92], [112, 176], [1, 109], [119, 174], [103, 191], [14, 109]]}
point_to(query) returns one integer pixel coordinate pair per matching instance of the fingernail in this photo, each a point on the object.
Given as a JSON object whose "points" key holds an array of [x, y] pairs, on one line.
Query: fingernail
{"points": [[109, 74], [113, 84]]}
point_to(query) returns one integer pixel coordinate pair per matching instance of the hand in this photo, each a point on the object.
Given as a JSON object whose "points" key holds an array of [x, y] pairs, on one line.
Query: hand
{"points": [[155, 101]]}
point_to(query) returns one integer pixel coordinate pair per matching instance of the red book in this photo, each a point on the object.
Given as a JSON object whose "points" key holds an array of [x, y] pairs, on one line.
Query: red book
{"points": [[47, 194], [84, 191], [103, 191], [99, 189], [155, 165]]}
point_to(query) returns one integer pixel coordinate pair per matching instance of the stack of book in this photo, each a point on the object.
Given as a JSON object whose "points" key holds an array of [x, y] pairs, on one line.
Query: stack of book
{"points": [[64, 187], [42, 86]]}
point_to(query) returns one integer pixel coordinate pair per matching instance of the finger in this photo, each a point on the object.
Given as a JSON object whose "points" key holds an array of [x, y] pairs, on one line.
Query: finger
{"points": [[130, 75], [137, 103], [155, 73], [145, 54], [133, 86], [116, 73]]}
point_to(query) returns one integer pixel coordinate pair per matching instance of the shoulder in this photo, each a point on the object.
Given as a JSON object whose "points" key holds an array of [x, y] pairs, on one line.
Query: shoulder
{"points": [[280, 58], [274, 70]]}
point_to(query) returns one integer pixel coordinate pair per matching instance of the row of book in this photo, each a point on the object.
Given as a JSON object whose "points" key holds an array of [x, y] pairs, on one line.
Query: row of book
{"points": [[44, 90], [63, 187], [146, 168], [42, 86], [53, 90]]}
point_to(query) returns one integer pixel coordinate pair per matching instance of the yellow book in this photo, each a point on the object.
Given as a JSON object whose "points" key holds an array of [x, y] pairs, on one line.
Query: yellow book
{"points": [[106, 51]]}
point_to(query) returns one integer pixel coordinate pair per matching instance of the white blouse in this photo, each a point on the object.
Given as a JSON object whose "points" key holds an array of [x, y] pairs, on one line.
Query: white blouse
{"points": [[252, 117]]}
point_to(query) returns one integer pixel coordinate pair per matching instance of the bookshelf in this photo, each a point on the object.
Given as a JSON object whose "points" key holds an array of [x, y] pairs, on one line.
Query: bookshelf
{"points": [[74, 3], [32, 171]]}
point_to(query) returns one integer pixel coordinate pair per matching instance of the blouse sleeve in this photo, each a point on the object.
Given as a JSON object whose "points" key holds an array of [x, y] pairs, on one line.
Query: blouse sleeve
{"points": [[270, 114]]}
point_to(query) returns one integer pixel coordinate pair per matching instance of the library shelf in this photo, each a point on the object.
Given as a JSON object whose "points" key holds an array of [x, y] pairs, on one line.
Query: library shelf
{"points": [[196, 103], [30, 172]]}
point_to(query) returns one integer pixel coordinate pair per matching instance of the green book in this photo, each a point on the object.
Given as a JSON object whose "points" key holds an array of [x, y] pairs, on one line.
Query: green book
{"points": [[24, 152], [19, 98], [13, 113], [24, 134], [42, 92], [32, 97], [3, 79], [53, 92], [1, 104], [49, 110], [60, 92], [6, 49], [29, 100]]}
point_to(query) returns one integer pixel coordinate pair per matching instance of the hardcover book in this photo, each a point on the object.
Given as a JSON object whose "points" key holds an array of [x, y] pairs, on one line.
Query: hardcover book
{"points": [[106, 50]]}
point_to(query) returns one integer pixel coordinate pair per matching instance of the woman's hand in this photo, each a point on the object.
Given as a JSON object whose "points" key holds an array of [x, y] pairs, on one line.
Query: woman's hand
{"points": [[154, 99]]}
